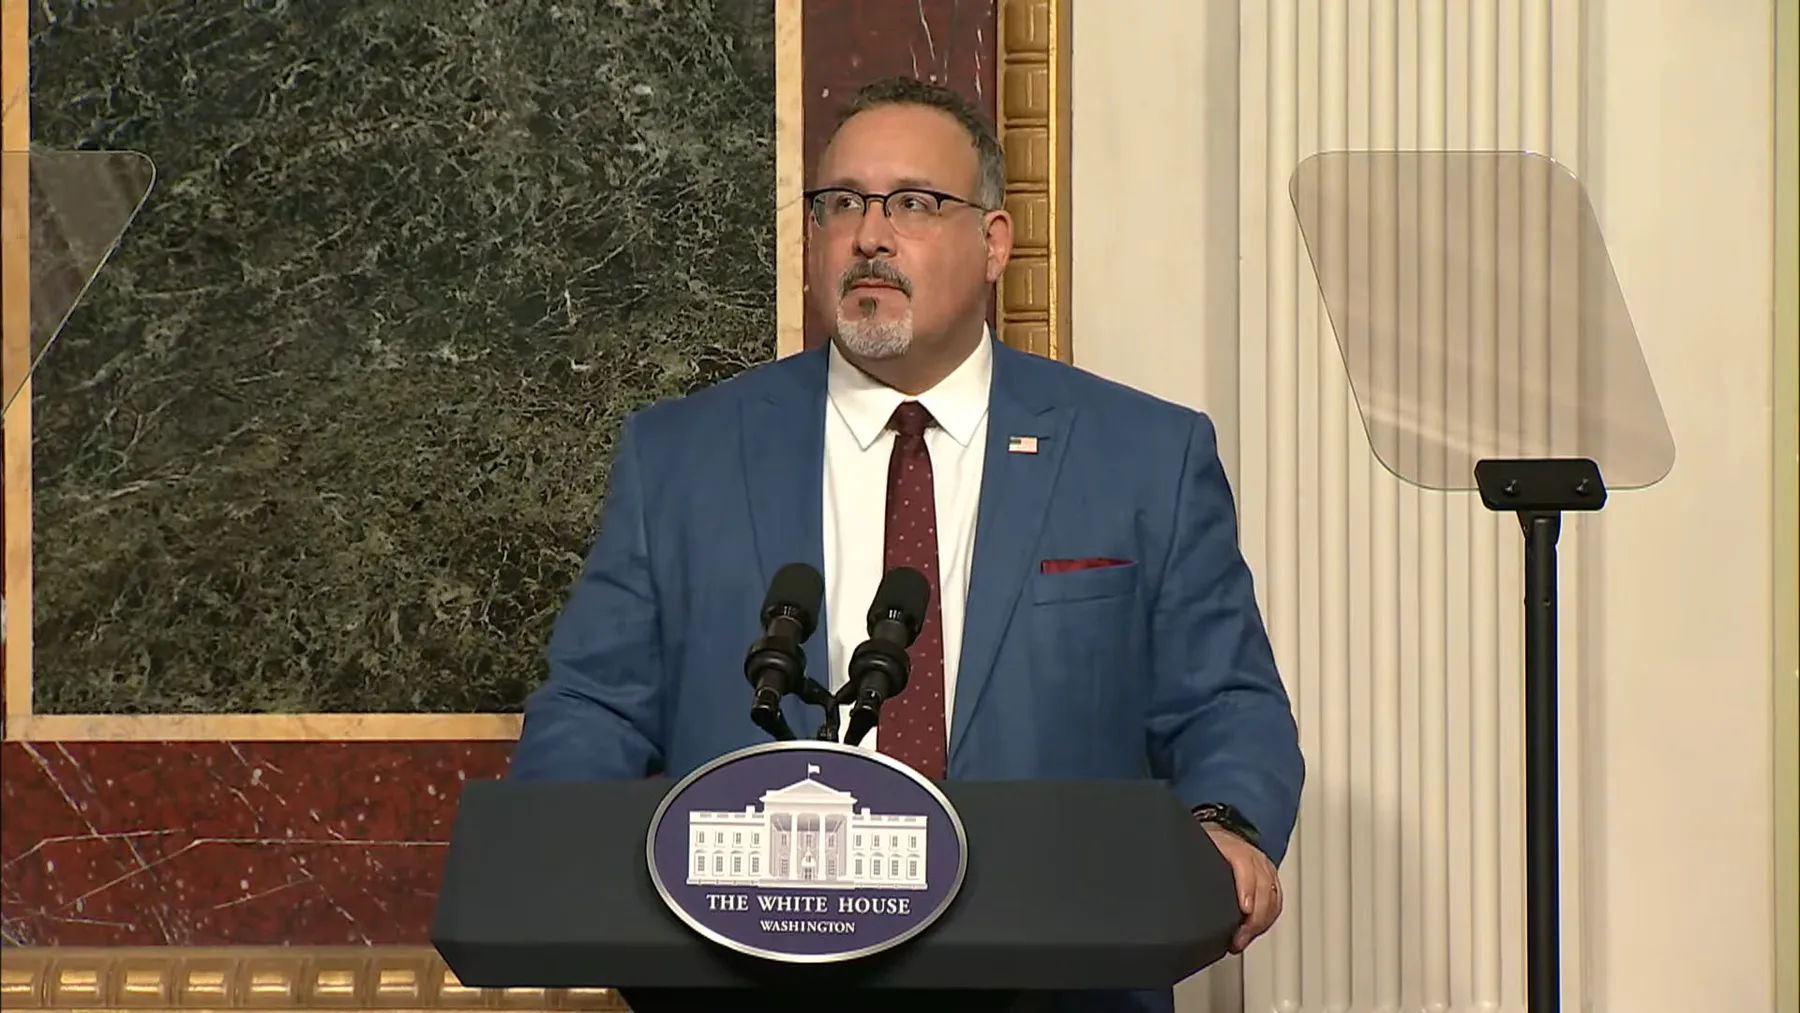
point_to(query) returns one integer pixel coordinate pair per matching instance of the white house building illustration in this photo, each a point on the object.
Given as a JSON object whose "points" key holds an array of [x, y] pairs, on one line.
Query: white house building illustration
{"points": [[807, 835]]}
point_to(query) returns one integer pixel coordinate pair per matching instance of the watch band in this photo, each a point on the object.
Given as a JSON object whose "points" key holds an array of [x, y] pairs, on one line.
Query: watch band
{"points": [[1228, 818]]}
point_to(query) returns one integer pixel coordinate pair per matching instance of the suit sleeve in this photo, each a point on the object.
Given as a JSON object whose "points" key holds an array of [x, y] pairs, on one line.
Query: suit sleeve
{"points": [[1221, 722], [598, 716]]}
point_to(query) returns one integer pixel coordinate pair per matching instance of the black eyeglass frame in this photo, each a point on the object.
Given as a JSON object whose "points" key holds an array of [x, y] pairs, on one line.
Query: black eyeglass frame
{"points": [[942, 198]]}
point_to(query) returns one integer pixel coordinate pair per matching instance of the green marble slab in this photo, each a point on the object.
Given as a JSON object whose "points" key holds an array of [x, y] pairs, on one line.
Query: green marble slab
{"points": [[330, 432]]}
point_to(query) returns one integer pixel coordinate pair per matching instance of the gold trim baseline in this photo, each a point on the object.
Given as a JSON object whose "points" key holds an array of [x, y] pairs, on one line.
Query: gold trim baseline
{"points": [[285, 978]]}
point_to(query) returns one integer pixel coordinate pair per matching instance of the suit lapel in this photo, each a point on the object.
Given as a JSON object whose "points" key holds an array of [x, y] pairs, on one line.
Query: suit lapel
{"points": [[1015, 498], [783, 448]]}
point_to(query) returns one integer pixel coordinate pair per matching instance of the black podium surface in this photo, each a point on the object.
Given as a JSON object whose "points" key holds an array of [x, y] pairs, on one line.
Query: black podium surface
{"points": [[1070, 886]]}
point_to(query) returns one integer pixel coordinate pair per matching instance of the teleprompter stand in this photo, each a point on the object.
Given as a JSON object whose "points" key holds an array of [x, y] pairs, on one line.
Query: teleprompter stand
{"points": [[1070, 886], [1540, 491], [1487, 340]]}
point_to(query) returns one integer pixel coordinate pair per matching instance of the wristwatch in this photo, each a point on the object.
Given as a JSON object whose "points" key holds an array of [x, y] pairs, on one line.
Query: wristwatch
{"points": [[1227, 817]]}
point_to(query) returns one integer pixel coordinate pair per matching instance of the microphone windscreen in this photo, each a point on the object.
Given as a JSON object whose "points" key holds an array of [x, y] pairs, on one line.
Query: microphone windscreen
{"points": [[799, 591], [904, 594]]}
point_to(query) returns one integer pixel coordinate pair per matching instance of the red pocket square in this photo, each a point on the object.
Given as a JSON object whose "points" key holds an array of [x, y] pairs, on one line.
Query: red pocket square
{"points": [[1071, 565]]}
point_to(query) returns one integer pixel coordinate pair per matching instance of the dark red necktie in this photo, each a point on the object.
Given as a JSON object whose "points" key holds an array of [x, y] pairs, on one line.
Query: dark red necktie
{"points": [[912, 724]]}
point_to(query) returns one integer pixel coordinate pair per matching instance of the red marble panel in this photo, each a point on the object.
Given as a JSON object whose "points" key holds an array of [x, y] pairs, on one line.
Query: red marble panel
{"points": [[206, 844], [848, 43]]}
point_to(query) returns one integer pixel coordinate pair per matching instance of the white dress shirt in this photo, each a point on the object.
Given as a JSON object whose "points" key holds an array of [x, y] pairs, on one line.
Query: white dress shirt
{"points": [[857, 447]]}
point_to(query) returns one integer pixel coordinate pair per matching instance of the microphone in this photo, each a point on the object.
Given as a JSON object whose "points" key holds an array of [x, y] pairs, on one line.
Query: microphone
{"points": [[776, 664], [880, 666]]}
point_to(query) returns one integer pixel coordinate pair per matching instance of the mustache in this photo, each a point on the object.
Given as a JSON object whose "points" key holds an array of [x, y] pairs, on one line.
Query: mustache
{"points": [[874, 270]]}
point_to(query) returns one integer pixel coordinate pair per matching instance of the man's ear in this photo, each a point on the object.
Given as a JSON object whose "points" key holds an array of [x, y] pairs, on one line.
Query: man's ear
{"points": [[999, 234]]}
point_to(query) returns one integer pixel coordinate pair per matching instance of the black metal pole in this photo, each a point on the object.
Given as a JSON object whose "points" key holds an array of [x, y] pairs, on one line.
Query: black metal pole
{"points": [[1539, 491], [1543, 943]]}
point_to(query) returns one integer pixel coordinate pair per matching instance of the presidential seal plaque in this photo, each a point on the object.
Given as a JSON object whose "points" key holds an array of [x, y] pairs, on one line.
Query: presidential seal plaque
{"points": [[807, 852]]}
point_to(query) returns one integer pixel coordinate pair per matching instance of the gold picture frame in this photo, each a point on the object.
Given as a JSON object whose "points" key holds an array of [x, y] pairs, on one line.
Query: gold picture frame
{"points": [[1034, 316]]}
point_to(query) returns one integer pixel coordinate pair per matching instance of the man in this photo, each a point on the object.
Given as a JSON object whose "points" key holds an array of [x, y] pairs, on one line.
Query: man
{"points": [[1091, 615]]}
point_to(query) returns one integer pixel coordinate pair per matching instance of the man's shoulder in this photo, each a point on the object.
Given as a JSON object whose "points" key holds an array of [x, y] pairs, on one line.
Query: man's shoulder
{"points": [[1104, 401], [716, 404]]}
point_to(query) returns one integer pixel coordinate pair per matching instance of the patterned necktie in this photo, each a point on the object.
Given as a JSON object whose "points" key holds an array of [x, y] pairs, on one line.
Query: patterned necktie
{"points": [[912, 724]]}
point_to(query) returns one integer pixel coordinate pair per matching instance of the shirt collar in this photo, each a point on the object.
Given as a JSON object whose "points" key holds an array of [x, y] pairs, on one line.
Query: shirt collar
{"points": [[958, 403]]}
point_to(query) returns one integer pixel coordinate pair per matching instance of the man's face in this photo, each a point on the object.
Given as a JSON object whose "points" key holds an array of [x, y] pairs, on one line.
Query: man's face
{"points": [[911, 279]]}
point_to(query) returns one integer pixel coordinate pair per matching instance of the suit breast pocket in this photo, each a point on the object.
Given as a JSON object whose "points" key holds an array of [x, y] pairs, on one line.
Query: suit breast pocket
{"points": [[1092, 584], [1083, 631]]}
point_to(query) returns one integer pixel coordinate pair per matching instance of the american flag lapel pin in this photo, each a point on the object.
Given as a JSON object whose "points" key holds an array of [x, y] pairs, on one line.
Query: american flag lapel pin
{"points": [[1021, 444]]}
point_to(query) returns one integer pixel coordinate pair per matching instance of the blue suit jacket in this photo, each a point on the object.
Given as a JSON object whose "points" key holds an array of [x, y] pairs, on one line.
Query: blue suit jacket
{"points": [[1158, 668]]}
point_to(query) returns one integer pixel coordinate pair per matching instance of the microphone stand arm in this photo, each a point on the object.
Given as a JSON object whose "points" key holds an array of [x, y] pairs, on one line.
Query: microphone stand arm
{"points": [[765, 711], [775, 666], [878, 670], [815, 695]]}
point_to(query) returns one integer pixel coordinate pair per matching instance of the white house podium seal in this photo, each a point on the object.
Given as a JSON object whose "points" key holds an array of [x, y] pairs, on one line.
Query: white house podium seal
{"points": [[807, 852]]}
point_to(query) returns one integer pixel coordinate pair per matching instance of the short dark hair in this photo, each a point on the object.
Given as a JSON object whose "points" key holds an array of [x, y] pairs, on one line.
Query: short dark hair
{"points": [[910, 91]]}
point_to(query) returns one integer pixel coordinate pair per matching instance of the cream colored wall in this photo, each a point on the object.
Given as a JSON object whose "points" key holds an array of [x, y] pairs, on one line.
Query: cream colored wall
{"points": [[1683, 130], [1155, 145], [1665, 111]]}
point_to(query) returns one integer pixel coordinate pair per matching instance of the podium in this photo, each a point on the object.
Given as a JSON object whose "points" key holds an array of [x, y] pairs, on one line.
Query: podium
{"points": [[1067, 886]]}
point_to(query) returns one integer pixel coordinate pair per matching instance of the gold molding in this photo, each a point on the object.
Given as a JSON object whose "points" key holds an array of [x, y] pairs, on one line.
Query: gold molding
{"points": [[15, 357], [790, 181], [1034, 129], [346, 979]]}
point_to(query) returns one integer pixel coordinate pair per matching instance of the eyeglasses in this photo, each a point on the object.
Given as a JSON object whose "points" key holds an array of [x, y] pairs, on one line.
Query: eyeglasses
{"points": [[911, 212]]}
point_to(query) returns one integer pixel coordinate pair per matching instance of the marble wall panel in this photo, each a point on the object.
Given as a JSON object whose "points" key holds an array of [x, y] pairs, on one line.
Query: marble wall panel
{"points": [[219, 843], [330, 430]]}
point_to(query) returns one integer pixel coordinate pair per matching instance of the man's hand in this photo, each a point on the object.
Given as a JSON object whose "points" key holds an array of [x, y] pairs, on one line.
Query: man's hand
{"points": [[1258, 885]]}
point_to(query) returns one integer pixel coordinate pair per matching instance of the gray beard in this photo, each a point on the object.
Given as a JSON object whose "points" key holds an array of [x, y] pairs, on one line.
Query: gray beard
{"points": [[869, 339]]}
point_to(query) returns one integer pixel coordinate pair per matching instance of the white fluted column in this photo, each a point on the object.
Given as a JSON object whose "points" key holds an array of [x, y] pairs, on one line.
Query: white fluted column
{"points": [[1395, 612]]}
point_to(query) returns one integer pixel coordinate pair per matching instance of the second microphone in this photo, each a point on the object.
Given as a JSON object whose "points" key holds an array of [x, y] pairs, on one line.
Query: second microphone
{"points": [[879, 666]]}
